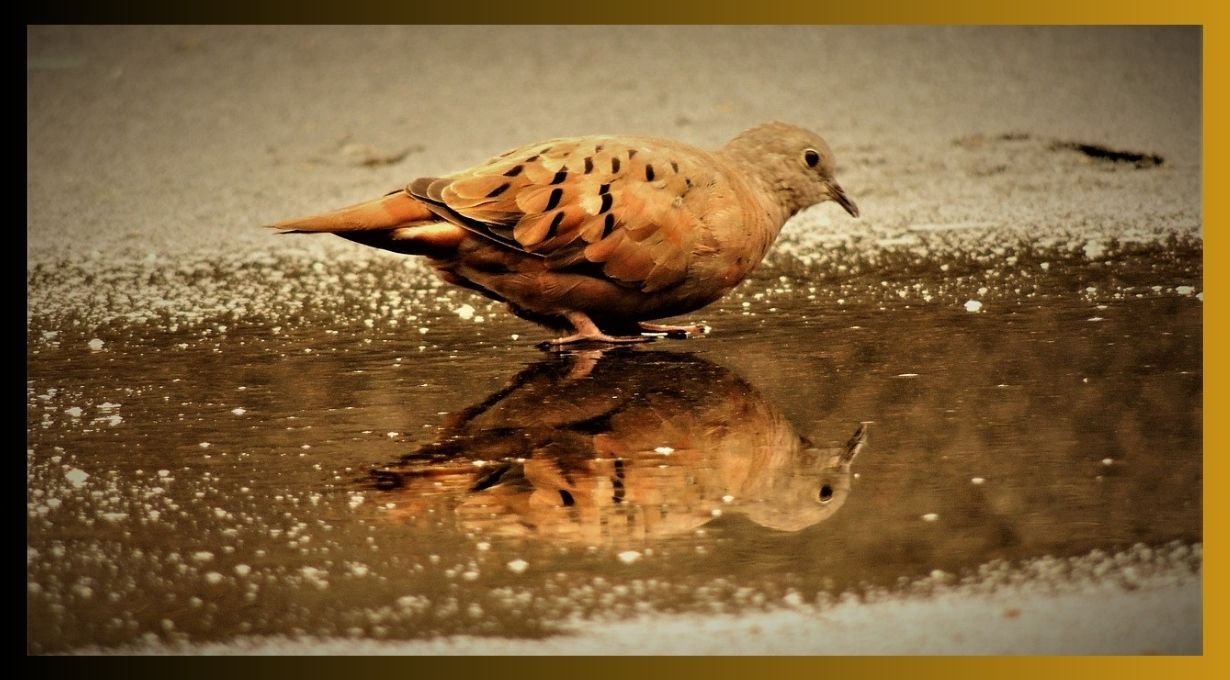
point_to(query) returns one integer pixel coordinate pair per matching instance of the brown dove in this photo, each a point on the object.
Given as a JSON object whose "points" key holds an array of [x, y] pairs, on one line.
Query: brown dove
{"points": [[601, 235], [620, 448]]}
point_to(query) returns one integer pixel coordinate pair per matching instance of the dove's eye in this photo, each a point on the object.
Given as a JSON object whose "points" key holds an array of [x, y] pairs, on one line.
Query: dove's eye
{"points": [[811, 157], [826, 493]]}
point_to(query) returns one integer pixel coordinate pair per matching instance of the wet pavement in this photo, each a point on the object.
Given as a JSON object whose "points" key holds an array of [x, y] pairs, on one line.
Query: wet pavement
{"points": [[984, 393]]}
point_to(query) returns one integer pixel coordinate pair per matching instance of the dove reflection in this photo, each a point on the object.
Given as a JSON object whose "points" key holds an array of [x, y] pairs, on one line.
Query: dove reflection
{"points": [[624, 446]]}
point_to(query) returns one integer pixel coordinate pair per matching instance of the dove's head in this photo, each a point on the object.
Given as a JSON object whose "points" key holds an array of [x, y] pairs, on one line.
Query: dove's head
{"points": [[807, 491], [794, 163]]}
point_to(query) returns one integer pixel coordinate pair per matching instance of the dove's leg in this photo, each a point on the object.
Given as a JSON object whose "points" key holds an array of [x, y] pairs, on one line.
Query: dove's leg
{"points": [[680, 332], [583, 363], [588, 331]]}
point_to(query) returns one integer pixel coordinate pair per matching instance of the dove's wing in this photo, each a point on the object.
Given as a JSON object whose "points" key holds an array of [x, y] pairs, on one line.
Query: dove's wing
{"points": [[615, 202]]}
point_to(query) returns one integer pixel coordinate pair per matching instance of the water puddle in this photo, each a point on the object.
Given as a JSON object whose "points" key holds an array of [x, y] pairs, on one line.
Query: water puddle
{"points": [[335, 479]]}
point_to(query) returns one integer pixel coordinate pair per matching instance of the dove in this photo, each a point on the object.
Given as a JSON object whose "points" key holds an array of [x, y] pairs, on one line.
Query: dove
{"points": [[597, 237], [624, 446]]}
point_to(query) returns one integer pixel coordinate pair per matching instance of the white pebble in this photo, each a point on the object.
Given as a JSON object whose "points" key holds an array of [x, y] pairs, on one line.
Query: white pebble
{"points": [[1108, 461], [1184, 290], [316, 576], [202, 556], [74, 411], [76, 477], [973, 306], [930, 517], [95, 344], [977, 480], [629, 556], [213, 577], [517, 566], [239, 411], [664, 450]]}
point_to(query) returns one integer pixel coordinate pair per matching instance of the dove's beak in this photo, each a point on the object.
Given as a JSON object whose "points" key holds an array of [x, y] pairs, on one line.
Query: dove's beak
{"points": [[843, 200]]}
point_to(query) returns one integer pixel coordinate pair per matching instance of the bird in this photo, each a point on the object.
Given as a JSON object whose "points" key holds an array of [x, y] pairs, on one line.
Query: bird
{"points": [[617, 445], [598, 236]]}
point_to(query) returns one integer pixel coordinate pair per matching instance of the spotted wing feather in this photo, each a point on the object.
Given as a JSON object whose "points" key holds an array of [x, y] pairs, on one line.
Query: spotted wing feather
{"points": [[619, 204]]}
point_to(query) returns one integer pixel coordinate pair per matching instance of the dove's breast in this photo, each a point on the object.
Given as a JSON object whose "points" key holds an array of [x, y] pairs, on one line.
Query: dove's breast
{"points": [[736, 230]]}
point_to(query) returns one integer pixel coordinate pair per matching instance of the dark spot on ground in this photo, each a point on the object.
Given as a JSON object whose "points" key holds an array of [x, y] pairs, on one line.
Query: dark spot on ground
{"points": [[1099, 152]]}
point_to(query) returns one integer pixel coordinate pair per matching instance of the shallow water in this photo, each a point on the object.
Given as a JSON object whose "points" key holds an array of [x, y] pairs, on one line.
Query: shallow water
{"points": [[340, 477]]}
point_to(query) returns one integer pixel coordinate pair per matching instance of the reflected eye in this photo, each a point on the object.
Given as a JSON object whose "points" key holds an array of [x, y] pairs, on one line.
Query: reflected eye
{"points": [[811, 157], [826, 493]]}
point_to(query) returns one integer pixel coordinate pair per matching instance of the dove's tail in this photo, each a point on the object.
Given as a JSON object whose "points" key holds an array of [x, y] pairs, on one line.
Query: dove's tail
{"points": [[397, 209], [396, 222]]}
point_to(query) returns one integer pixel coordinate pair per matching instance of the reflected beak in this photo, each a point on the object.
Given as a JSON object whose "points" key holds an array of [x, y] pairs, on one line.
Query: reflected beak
{"points": [[859, 438], [843, 200]]}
